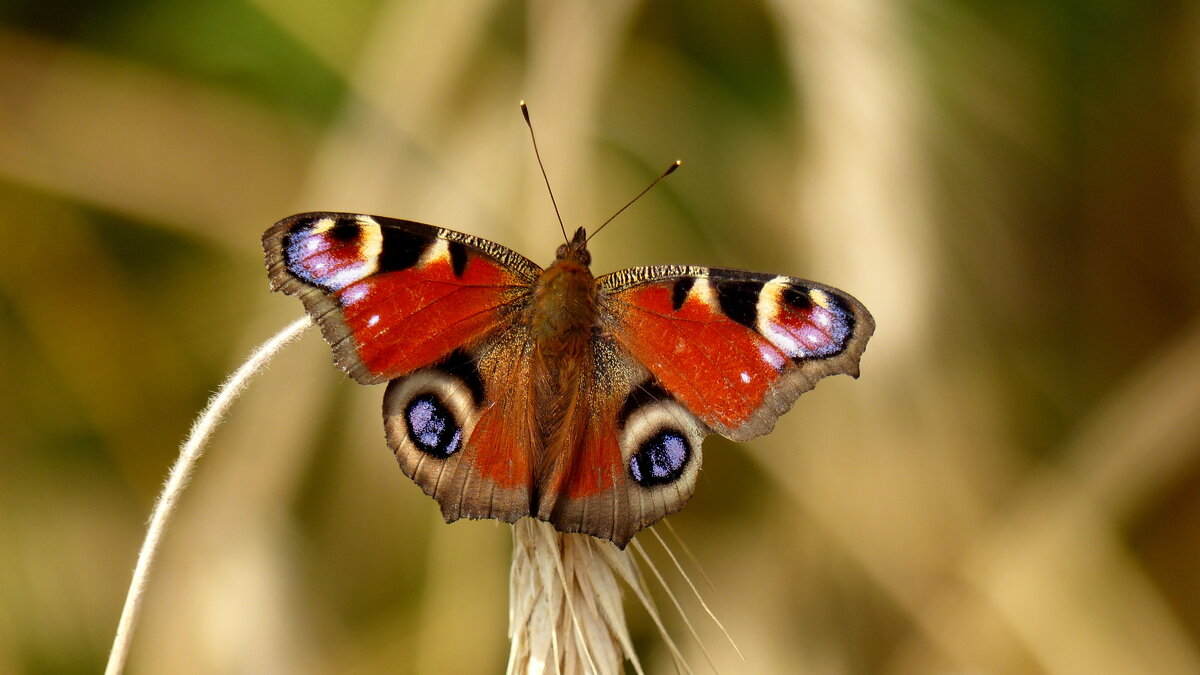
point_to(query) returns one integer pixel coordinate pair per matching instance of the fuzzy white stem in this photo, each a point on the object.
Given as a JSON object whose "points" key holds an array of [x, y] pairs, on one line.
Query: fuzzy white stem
{"points": [[189, 453]]}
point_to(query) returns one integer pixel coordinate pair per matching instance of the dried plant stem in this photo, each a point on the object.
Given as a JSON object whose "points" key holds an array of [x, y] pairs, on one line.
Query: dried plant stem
{"points": [[565, 612], [189, 453]]}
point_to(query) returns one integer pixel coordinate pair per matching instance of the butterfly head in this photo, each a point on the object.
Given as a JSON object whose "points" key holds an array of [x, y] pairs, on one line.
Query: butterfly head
{"points": [[575, 250]]}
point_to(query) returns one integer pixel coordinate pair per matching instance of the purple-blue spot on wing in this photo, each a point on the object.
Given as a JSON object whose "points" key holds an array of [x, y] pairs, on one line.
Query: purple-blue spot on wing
{"points": [[330, 257], [431, 426], [661, 459], [805, 328]]}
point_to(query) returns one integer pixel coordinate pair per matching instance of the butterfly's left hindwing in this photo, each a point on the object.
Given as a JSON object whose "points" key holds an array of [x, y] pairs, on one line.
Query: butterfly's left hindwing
{"points": [[462, 430], [736, 348], [435, 312]]}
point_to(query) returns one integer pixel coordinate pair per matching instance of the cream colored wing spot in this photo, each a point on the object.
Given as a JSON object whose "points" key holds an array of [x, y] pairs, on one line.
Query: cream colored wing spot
{"points": [[322, 225], [703, 291], [770, 303], [438, 252], [370, 239]]}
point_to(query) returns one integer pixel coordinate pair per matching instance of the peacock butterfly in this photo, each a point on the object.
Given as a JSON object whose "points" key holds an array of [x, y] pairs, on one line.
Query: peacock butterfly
{"points": [[520, 391]]}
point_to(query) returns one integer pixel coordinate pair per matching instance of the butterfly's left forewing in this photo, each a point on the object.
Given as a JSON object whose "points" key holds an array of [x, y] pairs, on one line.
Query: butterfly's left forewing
{"points": [[392, 296]]}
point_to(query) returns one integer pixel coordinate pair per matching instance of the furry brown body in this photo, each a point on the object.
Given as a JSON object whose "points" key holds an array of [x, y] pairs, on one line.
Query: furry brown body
{"points": [[562, 319]]}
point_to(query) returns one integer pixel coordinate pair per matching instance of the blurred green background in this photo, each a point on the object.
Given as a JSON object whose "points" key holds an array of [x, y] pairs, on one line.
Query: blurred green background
{"points": [[1012, 188]]}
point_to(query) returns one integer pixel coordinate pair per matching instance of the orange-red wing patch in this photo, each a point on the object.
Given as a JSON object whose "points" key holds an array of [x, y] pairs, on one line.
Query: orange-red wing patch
{"points": [[500, 448], [720, 369], [403, 320], [598, 463], [587, 491]]}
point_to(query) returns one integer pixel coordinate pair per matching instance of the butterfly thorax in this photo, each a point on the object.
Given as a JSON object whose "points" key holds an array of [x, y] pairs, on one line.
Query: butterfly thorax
{"points": [[564, 299]]}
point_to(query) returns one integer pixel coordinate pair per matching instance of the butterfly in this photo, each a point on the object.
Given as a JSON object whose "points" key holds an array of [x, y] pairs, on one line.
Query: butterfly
{"points": [[514, 390]]}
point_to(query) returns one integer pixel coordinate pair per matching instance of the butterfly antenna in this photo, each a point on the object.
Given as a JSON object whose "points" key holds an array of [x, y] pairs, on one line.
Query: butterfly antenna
{"points": [[533, 137], [678, 163]]}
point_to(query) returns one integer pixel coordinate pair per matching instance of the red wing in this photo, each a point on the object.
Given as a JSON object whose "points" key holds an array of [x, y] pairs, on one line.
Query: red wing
{"points": [[634, 453], [392, 296], [736, 348], [463, 430]]}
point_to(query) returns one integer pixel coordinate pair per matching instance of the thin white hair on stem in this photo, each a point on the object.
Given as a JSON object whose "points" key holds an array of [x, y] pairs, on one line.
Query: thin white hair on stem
{"points": [[177, 479], [637, 546], [631, 574], [687, 550], [695, 591]]}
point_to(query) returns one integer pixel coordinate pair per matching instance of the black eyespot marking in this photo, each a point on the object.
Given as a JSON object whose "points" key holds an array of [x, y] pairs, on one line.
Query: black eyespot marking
{"points": [[643, 394], [344, 230], [461, 365], [679, 292], [318, 249], [458, 258], [739, 300], [797, 296], [661, 459], [431, 426], [401, 250]]}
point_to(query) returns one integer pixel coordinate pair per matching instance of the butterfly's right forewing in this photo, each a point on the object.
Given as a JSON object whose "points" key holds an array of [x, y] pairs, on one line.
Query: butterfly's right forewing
{"points": [[736, 348]]}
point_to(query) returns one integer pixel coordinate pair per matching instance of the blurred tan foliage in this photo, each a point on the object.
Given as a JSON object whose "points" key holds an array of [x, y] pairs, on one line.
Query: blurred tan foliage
{"points": [[1013, 189]]}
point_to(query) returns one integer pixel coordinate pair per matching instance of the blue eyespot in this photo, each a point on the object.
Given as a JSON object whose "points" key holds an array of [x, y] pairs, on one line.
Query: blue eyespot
{"points": [[661, 459], [431, 426]]}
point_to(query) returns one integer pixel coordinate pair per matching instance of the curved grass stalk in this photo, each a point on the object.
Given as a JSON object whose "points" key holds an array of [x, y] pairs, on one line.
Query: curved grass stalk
{"points": [[177, 479]]}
